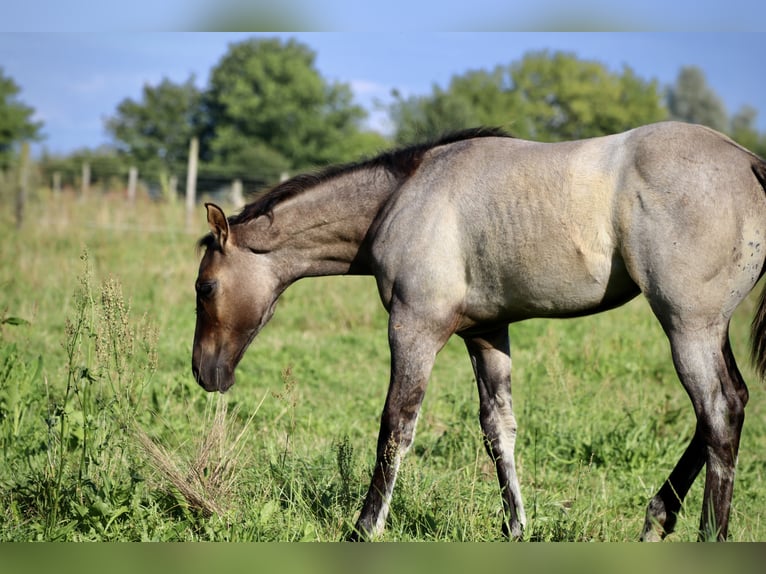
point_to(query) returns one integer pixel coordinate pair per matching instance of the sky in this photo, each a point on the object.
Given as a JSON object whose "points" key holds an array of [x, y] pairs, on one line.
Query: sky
{"points": [[392, 15], [75, 80]]}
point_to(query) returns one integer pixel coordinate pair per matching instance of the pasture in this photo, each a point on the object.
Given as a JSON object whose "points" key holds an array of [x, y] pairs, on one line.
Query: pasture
{"points": [[97, 312]]}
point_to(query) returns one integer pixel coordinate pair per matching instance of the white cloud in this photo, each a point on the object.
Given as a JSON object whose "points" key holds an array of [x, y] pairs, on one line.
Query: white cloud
{"points": [[366, 88], [379, 121]]}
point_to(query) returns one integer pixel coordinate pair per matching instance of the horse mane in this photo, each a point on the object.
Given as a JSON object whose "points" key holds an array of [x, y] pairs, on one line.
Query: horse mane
{"points": [[401, 163]]}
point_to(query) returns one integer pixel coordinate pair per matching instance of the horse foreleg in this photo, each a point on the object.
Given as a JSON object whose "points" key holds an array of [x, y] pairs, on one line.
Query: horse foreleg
{"points": [[413, 351], [491, 358]]}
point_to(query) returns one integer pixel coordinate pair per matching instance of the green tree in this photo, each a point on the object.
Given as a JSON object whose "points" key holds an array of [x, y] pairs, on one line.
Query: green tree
{"points": [[543, 96], [557, 96], [419, 118], [488, 93], [690, 99], [269, 109], [742, 129], [156, 130], [108, 169], [16, 124], [478, 97]]}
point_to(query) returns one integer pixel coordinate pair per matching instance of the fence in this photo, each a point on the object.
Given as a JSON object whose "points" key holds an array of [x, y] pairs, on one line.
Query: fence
{"points": [[104, 173]]}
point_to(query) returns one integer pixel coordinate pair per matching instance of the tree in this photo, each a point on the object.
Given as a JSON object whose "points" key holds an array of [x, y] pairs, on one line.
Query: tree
{"points": [[156, 130], [487, 93], [558, 96], [420, 118], [690, 99], [269, 108], [742, 127], [16, 124], [544, 96], [476, 98], [108, 169], [743, 130]]}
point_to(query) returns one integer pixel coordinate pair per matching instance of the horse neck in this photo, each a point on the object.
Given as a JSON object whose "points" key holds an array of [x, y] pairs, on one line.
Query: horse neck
{"points": [[322, 230]]}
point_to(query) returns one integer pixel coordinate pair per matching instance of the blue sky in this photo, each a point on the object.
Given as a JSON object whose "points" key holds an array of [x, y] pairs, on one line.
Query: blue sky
{"points": [[75, 80], [400, 15]]}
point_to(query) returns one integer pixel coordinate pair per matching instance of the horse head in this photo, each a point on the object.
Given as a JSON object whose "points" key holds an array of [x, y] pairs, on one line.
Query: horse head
{"points": [[236, 295]]}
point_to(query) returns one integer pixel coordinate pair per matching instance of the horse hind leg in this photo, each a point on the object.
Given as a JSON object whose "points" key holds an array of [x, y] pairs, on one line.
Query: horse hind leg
{"points": [[663, 509], [490, 355], [707, 369]]}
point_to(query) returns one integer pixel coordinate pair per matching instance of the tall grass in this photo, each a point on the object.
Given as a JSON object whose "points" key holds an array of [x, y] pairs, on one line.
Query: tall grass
{"points": [[105, 436]]}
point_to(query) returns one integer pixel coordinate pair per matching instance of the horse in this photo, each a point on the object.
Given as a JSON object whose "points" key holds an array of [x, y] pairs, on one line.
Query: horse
{"points": [[472, 232]]}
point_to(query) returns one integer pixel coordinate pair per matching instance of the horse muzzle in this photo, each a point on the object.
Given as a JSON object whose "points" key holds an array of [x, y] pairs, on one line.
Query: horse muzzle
{"points": [[213, 377]]}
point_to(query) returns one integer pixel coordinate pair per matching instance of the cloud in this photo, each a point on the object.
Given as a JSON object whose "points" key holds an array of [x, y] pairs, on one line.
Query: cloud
{"points": [[379, 121], [366, 88], [375, 98]]}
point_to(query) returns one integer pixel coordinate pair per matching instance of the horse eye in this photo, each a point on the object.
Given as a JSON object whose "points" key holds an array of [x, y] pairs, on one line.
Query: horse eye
{"points": [[205, 289]]}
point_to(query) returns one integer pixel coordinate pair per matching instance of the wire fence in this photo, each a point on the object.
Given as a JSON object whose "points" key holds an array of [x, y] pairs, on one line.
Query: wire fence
{"points": [[92, 180], [112, 176]]}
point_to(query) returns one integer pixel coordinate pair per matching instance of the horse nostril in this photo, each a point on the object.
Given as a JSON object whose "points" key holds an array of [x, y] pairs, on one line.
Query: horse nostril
{"points": [[195, 372]]}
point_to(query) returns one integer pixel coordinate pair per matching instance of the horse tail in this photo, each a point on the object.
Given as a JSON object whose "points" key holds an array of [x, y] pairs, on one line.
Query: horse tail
{"points": [[758, 327]]}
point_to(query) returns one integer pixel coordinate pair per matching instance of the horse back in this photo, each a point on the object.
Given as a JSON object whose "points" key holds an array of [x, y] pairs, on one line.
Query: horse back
{"points": [[507, 229]]}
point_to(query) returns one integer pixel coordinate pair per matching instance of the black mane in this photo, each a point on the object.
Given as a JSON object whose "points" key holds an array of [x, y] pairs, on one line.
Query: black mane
{"points": [[401, 163]]}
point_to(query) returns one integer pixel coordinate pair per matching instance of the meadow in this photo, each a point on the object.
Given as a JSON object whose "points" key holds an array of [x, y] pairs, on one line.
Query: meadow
{"points": [[105, 436]]}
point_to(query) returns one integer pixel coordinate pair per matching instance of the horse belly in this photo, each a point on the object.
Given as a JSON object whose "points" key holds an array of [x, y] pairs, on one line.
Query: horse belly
{"points": [[560, 282]]}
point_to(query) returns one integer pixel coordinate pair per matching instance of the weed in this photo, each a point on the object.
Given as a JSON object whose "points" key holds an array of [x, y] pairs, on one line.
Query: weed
{"points": [[85, 425], [345, 459]]}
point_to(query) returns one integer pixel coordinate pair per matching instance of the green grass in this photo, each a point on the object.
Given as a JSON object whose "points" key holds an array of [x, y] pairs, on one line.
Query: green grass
{"points": [[94, 353]]}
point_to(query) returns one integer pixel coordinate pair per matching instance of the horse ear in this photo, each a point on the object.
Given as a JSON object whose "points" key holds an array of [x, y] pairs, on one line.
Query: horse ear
{"points": [[218, 223]]}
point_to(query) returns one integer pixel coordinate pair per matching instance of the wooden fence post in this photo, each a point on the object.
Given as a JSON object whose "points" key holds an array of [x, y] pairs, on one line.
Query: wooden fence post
{"points": [[236, 194], [56, 183], [132, 183], [191, 181], [85, 187], [173, 187]]}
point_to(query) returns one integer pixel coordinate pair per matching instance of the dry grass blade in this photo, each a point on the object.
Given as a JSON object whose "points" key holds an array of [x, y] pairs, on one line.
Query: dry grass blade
{"points": [[166, 464], [209, 478]]}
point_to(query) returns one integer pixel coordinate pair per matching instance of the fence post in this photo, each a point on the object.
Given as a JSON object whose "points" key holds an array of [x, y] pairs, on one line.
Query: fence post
{"points": [[132, 183], [21, 192], [236, 194], [191, 181], [173, 187], [56, 183], [85, 187]]}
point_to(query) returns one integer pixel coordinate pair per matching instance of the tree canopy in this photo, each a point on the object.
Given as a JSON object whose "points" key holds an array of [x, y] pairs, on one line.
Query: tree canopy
{"points": [[269, 91], [690, 99], [267, 110], [16, 124], [543, 96], [558, 96], [155, 131]]}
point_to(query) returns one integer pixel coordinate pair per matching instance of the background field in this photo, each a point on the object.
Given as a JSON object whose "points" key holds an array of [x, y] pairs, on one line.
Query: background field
{"points": [[97, 310]]}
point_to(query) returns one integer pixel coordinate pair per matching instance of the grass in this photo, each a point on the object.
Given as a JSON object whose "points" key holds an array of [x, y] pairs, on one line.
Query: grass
{"points": [[105, 436]]}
